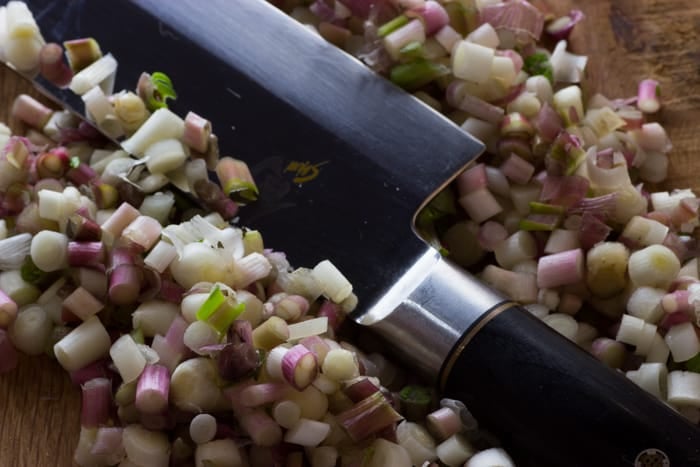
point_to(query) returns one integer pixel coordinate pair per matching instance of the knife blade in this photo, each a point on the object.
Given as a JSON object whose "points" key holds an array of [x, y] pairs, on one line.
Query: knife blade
{"points": [[344, 161]]}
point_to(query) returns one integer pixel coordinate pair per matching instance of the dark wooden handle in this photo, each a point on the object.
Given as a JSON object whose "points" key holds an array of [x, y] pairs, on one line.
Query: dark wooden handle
{"points": [[553, 404]]}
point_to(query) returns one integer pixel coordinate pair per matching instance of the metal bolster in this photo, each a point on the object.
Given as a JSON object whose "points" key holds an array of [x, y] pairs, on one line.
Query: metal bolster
{"points": [[426, 313]]}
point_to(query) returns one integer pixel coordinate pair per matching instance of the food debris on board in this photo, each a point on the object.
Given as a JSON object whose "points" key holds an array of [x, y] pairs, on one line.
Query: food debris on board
{"points": [[192, 342]]}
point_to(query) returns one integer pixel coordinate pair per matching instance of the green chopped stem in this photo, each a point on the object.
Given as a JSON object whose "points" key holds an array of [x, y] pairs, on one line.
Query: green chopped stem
{"points": [[220, 310], [543, 222], [391, 26], [538, 64], [225, 315], [545, 208], [418, 73], [82, 52], [576, 158], [241, 190], [693, 364], [157, 90], [212, 303], [412, 51], [236, 180], [137, 335], [31, 273], [415, 402], [570, 157]]}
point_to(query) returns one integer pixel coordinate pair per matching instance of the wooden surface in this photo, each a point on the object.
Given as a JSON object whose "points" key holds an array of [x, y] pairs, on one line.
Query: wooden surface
{"points": [[627, 40], [39, 406]]}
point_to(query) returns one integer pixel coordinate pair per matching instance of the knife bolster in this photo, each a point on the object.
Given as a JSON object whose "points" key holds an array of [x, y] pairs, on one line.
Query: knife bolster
{"points": [[428, 310]]}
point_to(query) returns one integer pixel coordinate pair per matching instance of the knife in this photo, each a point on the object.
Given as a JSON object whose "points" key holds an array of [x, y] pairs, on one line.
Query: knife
{"points": [[344, 160]]}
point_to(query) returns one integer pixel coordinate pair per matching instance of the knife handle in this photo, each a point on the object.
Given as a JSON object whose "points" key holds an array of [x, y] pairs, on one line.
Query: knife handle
{"points": [[554, 404], [550, 402]]}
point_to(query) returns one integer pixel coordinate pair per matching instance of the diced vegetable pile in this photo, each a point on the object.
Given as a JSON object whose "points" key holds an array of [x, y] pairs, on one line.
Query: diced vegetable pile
{"points": [[191, 341], [560, 214]]}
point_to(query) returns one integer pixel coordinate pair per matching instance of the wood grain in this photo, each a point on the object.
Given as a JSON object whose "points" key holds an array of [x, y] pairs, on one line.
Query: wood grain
{"points": [[39, 406], [627, 40]]}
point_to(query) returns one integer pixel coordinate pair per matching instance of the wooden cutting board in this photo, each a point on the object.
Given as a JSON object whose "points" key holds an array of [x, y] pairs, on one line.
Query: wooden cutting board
{"points": [[626, 40]]}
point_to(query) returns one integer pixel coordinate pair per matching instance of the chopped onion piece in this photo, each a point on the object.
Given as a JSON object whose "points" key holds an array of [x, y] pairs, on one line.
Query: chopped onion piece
{"points": [[484, 35], [164, 156], [30, 330], [684, 388], [480, 205], [518, 286], [654, 266], [160, 256], [413, 31], [286, 413], [162, 124], [606, 268], [299, 367], [566, 267], [101, 111], [568, 103], [447, 37], [203, 428], [333, 284], [444, 423], [610, 352], [518, 17], [648, 96], [311, 327], [652, 377], [567, 67], [490, 457], [108, 444], [683, 342], [472, 62], [307, 433], [224, 452], [8, 310], [152, 389], [340, 365], [261, 428], [642, 232], [146, 447], [82, 304], [96, 401], [383, 453], [127, 357], [368, 416], [94, 74], [561, 27], [49, 250], [433, 15], [194, 387], [13, 250], [20, 21], [645, 303], [417, 442], [563, 324], [83, 345], [455, 450]]}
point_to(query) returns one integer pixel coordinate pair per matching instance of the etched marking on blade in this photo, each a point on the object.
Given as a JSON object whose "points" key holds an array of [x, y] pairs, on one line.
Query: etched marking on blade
{"points": [[234, 93]]}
